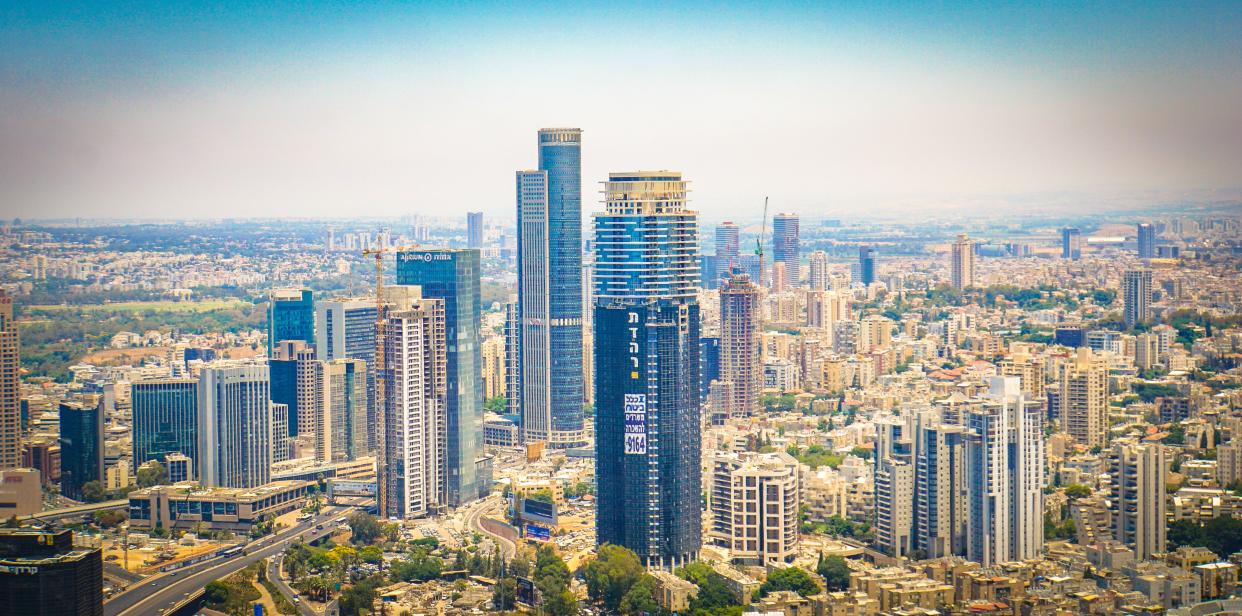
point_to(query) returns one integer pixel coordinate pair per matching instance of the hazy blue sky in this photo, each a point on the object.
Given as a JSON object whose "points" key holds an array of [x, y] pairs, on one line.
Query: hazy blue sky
{"points": [[329, 109]]}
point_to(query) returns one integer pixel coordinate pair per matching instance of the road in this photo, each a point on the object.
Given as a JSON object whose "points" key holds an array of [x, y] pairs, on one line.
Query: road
{"points": [[156, 593], [490, 505], [52, 514], [273, 574]]}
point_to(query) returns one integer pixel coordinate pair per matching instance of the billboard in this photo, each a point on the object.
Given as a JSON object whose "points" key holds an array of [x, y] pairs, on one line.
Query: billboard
{"points": [[635, 424], [538, 533], [539, 511]]}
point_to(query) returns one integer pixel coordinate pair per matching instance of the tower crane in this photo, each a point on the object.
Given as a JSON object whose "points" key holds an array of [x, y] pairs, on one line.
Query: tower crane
{"points": [[763, 231]]}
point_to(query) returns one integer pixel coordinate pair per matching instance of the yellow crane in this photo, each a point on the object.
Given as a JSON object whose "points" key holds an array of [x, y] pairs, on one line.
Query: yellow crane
{"points": [[381, 401]]}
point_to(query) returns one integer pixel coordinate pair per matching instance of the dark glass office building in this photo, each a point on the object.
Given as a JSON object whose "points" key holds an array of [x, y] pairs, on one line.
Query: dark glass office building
{"points": [[709, 365], [290, 316], [81, 445], [646, 319], [453, 276], [165, 413], [785, 246], [866, 265], [41, 572]]}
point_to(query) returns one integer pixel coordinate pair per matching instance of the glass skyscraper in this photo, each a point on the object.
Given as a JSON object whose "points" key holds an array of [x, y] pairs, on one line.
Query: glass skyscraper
{"points": [[646, 318], [165, 416], [785, 247], [347, 331], [81, 444], [549, 243], [866, 265], [453, 276], [290, 316]]}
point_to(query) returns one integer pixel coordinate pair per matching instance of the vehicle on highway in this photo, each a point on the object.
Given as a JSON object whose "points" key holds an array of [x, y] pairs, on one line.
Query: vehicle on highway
{"points": [[304, 517], [233, 551]]}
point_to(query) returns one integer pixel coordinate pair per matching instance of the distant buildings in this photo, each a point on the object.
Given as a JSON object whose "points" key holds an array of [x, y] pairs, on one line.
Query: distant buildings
{"points": [[647, 369], [452, 276], [474, 229], [785, 247], [866, 265], [165, 419], [10, 393], [1146, 240], [728, 249], [741, 357], [962, 263], [818, 271], [1136, 288], [235, 437], [42, 572], [1071, 243], [290, 316]]}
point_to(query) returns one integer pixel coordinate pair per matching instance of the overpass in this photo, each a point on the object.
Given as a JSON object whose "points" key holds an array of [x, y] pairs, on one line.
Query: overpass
{"points": [[65, 512]]}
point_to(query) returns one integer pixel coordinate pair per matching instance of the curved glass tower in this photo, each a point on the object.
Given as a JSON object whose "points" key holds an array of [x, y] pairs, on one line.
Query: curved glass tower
{"points": [[549, 218]]}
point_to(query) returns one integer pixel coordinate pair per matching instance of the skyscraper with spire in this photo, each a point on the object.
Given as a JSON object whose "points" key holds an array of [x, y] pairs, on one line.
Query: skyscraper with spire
{"points": [[549, 242], [646, 320]]}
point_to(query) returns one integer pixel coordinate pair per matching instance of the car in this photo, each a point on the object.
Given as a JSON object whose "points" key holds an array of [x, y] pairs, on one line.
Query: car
{"points": [[297, 599], [174, 574]]}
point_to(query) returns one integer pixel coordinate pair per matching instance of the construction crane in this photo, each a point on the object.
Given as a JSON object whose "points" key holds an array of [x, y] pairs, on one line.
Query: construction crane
{"points": [[381, 402], [763, 231]]}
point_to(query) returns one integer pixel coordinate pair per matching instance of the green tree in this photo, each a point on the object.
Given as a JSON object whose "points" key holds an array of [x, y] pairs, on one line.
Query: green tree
{"points": [[1077, 490], [789, 578], [611, 575], [835, 571], [496, 404], [152, 474], [640, 599], [93, 492], [365, 528], [504, 594]]}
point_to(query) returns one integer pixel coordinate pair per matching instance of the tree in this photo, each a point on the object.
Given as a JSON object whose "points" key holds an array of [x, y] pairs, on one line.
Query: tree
{"points": [[504, 594], [789, 578], [152, 474], [835, 571], [552, 580], [641, 597], [371, 554], [93, 492], [364, 527], [611, 575], [496, 404], [420, 566], [1077, 490]]}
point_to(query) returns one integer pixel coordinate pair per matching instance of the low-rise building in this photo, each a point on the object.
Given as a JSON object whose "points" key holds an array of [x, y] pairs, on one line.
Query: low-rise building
{"points": [[184, 505], [673, 593]]}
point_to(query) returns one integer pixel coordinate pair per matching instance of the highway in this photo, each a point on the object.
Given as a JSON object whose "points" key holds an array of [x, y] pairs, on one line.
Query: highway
{"points": [[160, 592], [273, 574], [489, 505]]}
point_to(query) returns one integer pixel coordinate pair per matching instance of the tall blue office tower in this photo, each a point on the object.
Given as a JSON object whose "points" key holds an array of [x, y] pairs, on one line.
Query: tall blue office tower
{"points": [[1146, 240], [549, 243], [290, 316], [866, 265], [165, 419], [1071, 243], [785, 247], [81, 444], [452, 275], [646, 318]]}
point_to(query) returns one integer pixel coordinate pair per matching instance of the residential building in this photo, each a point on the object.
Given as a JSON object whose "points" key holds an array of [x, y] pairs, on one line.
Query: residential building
{"points": [[817, 274], [962, 263], [1136, 289], [10, 386], [754, 502], [741, 356], [1083, 397], [1139, 515]]}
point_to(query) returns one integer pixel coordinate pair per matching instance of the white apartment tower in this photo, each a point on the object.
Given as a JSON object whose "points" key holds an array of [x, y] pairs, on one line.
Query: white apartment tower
{"points": [[754, 503]]}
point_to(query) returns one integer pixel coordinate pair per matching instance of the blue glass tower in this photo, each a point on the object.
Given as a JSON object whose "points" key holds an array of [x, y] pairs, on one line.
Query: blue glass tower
{"points": [[453, 276], [646, 318], [290, 316], [81, 445], [165, 415], [866, 265], [549, 243]]}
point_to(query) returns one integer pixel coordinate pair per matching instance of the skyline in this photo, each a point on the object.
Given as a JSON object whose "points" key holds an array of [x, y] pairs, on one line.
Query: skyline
{"points": [[386, 111]]}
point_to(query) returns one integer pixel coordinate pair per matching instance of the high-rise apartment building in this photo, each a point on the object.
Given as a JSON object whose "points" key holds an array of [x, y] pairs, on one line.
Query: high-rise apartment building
{"points": [[235, 417], [452, 276], [818, 271], [941, 504], [165, 419], [493, 367], [894, 486], [1083, 397], [785, 247], [1146, 240], [1071, 243], [290, 316], [474, 229], [81, 444], [10, 387], [962, 263], [728, 249], [513, 359], [549, 214], [753, 501], [866, 265], [1139, 497], [293, 373], [341, 410], [1005, 476], [647, 369], [1136, 287], [1030, 371], [416, 437], [346, 330], [741, 354]]}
